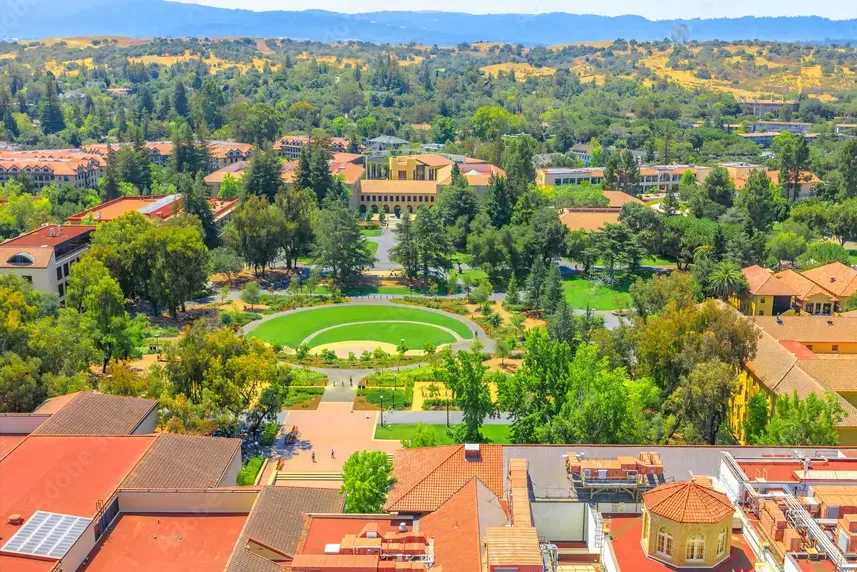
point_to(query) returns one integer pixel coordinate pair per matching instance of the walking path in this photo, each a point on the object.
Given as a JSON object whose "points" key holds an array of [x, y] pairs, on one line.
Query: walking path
{"points": [[385, 244]]}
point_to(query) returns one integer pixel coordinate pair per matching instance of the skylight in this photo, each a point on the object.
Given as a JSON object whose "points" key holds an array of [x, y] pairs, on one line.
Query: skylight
{"points": [[47, 534]]}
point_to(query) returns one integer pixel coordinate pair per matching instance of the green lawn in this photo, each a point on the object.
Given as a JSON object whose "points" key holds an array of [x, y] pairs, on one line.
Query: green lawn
{"points": [[852, 257], [581, 292], [399, 431], [292, 329], [372, 247], [371, 232], [415, 335], [474, 274]]}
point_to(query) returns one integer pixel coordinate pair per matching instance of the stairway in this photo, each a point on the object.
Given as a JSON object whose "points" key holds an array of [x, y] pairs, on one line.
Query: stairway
{"points": [[283, 477]]}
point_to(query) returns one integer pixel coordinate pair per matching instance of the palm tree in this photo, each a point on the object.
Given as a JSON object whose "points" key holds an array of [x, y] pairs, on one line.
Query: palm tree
{"points": [[726, 279]]}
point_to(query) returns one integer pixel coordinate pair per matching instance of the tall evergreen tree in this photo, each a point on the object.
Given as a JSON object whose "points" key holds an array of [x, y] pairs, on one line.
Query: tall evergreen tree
{"points": [[263, 177], [50, 111], [180, 105], [536, 283], [498, 203], [552, 295], [405, 251], [195, 196], [109, 186]]}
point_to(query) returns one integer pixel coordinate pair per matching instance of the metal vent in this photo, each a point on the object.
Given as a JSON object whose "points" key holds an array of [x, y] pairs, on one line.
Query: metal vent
{"points": [[47, 534]]}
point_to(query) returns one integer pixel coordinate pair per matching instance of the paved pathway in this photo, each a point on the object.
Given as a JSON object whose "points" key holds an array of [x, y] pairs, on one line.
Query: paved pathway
{"points": [[385, 244]]}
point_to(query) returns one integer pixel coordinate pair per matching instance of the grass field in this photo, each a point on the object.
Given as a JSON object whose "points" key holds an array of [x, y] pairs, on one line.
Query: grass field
{"points": [[580, 292], [372, 247], [371, 232], [293, 329], [492, 433], [415, 335]]}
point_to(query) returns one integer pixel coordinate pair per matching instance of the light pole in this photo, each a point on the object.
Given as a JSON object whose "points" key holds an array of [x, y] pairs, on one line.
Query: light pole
{"points": [[382, 411]]}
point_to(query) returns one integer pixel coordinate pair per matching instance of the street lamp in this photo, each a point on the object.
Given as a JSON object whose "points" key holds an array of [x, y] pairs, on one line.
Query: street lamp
{"points": [[382, 410]]}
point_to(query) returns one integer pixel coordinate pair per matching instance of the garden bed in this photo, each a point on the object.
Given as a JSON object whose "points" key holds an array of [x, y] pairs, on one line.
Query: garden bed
{"points": [[303, 398], [248, 473]]}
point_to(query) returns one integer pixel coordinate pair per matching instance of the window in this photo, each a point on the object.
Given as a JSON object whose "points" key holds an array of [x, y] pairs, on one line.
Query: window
{"points": [[695, 547], [761, 312], [65, 269], [763, 300], [20, 258], [809, 308], [834, 348], [721, 543], [61, 290], [665, 543]]}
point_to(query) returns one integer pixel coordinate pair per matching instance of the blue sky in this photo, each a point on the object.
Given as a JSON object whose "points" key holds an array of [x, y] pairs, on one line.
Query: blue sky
{"points": [[656, 10]]}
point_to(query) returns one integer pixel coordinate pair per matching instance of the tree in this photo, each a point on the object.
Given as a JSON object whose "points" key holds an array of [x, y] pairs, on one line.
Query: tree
{"points": [[843, 221], [757, 200], [464, 375], [298, 207], [366, 478], [251, 294], [803, 422], [786, 246], [653, 296], [757, 418], [99, 297], [552, 296], [405, 250], [263, 177], [727, 280], [536, 283], [110, 182], [424, 436], [180, 104], [513, 296], [792, 153], [225, 260], [21, 390], [195, 203], [562, 327], [230, 187], [821, 253], [313, 170], [50, 111], [719, 188], [339, 244], [702, 396], [270, 401], [433, 248], [847, 166], [497, 203], [518, 163], [179, 263], [256, 232]]}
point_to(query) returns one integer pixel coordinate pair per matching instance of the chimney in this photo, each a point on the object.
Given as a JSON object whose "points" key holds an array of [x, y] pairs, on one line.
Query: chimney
{"points": [[833, 278], [472, 452]]}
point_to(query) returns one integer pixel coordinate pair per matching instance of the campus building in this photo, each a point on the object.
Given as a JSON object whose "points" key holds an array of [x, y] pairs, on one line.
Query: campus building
{"points": [[760, 107], [44, 168], [46, 256], [653, 178], [222, 153], [156, 207], [766, 138], [291, 146], [591, 219], [347, 165]]}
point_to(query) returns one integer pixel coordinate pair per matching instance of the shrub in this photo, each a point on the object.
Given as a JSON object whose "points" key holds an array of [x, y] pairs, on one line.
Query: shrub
{"points": [[236, 318], [247, 474], [302, 351], [269, 434], [328, 356]]}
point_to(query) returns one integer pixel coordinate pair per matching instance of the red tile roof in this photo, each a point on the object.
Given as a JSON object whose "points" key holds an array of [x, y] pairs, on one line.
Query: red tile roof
{"points": [[688, 503], [762, 282], [835, 277], [90, 413], [455, 530], [427, 478], [42, 237]]}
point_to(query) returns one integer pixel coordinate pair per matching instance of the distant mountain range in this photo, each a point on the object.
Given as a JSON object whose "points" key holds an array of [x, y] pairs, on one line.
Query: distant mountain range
{"points": [[35, 19]]}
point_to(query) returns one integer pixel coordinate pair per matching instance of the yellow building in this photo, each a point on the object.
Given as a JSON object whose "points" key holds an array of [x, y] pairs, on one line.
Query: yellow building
{"points": [[766, 295], [416, 167], [686, 524], [781, 367], [810, 297]]}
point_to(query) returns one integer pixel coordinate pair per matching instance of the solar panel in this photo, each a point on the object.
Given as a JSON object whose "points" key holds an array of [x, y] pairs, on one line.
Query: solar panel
{"points": [[47, 534], [152, 207]]}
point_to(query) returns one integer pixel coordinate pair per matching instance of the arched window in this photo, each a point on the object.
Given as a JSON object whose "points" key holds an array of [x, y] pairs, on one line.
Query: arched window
{"points": [[721, 543], [695, 547], [20, 259], [665, 543]]}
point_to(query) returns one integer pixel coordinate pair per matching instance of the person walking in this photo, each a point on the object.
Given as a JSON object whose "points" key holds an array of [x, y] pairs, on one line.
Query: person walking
{"points": [[332, 456], [313, 456]]}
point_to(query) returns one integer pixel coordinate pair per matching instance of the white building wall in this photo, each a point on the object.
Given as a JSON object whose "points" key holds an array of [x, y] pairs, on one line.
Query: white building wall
{"points": [[199, 502]]}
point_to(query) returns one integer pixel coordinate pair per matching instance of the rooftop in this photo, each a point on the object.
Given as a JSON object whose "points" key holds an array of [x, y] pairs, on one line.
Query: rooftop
{"points": [[835, 277], [688, 502], [277, 520], [48, 236], [809, 329], [789, 470], [763, 282], [398, 187], [63, 474], [626, 532], [184, 462], [427, 478], [618, 199], [167, 543], [321, 530], [589, 220], [98, 414]]}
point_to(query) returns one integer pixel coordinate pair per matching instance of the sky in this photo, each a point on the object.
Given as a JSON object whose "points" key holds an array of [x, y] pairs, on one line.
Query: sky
{"points": [[654, 10]]}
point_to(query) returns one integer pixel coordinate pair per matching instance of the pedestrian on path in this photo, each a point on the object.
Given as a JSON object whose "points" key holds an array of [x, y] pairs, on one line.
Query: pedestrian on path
{"points": [[332, 456], [313, 456]]}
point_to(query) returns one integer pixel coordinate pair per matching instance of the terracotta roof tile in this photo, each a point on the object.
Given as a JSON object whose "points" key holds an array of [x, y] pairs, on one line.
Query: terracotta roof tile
{"points": [[427, 478], [619, 199], [454, 526], [589, 219], [277, 520], [98, 414], [836, 374], [688, 502], [184, 462], [762, 282], [810, 329], [801, 284], [844, 279]]}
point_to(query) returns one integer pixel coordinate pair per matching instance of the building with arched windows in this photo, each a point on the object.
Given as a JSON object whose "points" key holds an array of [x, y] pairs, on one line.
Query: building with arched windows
{"points": [[687, 524]]}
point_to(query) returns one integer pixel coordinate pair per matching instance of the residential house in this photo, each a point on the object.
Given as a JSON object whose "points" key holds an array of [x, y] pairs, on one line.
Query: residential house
{"points": [[809, 296], [766, 294], [46, 256]]}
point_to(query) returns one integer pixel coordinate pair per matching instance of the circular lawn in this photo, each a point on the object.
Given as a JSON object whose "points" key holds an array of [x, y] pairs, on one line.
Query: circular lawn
{"points": [[362, 323]]}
